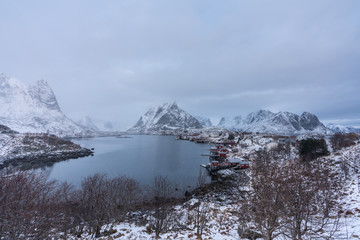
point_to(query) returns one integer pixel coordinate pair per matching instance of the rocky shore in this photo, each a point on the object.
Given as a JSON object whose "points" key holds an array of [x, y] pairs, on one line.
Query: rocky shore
{"points": [[44, 159], [27, 151]]}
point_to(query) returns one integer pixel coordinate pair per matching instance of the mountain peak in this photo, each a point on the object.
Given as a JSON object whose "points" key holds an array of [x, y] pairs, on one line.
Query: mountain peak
{"points": [[309, 121], [169, 105], [34, 109], [166, 117], [42, 91]]}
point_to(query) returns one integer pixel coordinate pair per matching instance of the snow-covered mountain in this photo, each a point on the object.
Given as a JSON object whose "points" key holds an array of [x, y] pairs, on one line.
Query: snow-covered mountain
{"points": [[96, 125], [165, 117], [34, 109], [205, 122], [342, 128], [264, 121]]}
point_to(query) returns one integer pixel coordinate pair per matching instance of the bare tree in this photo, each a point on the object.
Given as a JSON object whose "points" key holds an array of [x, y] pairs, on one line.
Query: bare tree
{"points": [[94, 204], [309, 200], [70, 219], [202, 177], [102, 201], [25, 205], [201, 217], [124, 194], [263, 207], [161, 195], [288, 198], [341, 140]]}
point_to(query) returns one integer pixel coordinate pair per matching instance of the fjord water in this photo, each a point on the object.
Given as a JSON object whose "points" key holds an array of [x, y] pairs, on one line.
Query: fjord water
{"points": [[141, 157]]}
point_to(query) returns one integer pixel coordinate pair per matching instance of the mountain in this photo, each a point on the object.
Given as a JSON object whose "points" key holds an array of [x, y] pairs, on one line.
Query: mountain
{"points": [[87, 122], [165, 117], [96, 125], [264, 121], [342, 128], [205, 122], [34, 109]]}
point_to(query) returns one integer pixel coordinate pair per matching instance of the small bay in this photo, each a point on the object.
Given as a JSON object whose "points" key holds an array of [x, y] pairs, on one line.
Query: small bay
{"points": [[141, 157]]}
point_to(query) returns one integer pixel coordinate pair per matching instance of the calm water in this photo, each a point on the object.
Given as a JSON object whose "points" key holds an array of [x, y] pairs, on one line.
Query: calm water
{"points": [[139, 157]]}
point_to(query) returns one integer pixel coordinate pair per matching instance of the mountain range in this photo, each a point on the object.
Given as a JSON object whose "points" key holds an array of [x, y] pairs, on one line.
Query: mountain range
{"points": [[34, 109], [342, 128], [265, 121], [171, 117]]}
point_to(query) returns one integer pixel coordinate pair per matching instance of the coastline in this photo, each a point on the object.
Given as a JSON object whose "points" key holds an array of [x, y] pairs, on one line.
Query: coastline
{"points": [[44, 159]]}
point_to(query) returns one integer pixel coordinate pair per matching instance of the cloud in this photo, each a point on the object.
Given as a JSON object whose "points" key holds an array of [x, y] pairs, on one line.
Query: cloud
{"points": [[115, 59]]}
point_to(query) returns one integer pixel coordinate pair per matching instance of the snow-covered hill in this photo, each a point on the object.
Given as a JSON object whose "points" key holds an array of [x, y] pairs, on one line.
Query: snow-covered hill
{"points": [[342, 128], [165, 117], [36, 149], [264, 121], [34, 109]]}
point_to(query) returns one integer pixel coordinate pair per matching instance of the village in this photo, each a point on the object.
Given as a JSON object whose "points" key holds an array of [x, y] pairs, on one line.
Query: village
{"points": [[216, 211], [234, 149]]}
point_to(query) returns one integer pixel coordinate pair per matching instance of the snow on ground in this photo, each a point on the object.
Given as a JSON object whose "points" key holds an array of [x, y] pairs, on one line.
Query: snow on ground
{"points": [[21, 145], [223, 221], [222, 225], [349, 203]]}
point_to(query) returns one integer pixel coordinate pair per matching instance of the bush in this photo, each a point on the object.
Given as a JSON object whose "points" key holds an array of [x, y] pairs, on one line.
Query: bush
{"points": [[341, 140], [311, 148]]}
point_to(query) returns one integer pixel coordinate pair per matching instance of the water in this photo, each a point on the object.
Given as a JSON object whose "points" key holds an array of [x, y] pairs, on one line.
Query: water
{"points": [[139, 157]]}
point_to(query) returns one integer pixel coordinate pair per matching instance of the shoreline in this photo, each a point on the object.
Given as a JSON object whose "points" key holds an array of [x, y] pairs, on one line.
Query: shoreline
{"points": [[44, 159]]}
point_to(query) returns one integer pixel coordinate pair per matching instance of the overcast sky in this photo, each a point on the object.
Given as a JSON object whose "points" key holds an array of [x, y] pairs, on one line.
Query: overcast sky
{"points": [[112, 60]]}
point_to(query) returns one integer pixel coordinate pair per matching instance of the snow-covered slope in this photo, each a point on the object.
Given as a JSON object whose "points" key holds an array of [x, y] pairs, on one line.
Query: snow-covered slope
{"points": [[264, 121], [205, 122], [165, 117], [342, 128], [34, 109], [36, 149]]}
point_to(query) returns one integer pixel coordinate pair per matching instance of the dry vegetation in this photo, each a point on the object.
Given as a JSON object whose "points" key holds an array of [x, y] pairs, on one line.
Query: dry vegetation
{"points": [[279, 197]]}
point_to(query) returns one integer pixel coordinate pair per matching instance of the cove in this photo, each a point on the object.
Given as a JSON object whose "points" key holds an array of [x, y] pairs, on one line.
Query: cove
{"points": [[141, 157]]}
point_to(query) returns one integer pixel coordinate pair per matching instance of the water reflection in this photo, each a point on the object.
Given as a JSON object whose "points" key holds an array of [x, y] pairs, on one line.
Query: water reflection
{"points": [[140, 157]]}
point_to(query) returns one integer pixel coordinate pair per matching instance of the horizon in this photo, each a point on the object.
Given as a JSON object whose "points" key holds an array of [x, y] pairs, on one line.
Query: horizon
{"points": [[355, 123]]}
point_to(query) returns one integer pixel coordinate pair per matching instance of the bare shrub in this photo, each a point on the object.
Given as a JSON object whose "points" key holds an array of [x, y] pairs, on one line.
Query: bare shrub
{"points": [[341, 140], [124, 194], [26, 201], [264, 207], [161, 195], [202, 177], [101, 200], [309, 200], [201, 217], [289, 199]]}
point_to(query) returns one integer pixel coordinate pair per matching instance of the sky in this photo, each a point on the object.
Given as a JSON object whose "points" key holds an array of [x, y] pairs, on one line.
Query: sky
{"points": [[112, 60]]}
